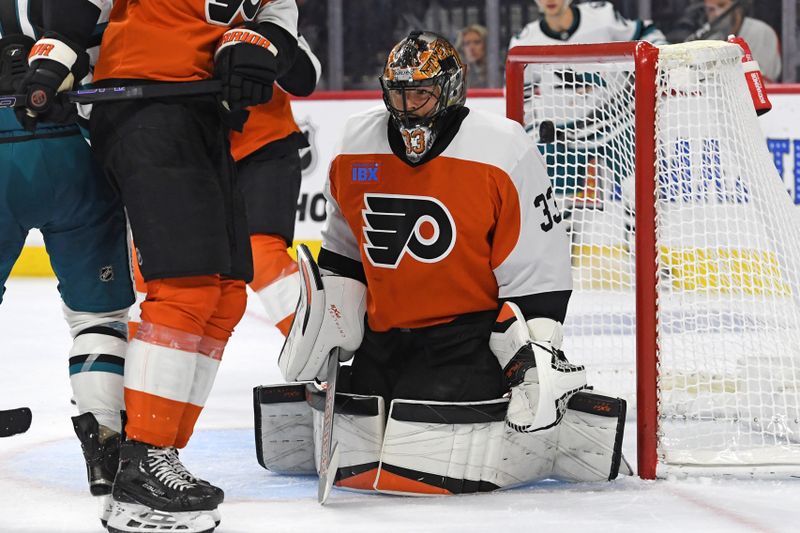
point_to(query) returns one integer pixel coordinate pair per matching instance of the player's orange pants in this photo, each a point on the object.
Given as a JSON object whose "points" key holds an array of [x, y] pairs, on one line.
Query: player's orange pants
{"points": [[174, 356], [275, 279]]}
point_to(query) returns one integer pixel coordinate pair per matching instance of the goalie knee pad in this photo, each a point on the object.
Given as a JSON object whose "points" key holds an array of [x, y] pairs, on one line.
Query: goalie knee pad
{"points": [[284, 429], [329, 314], [442, 448], [288, 421], [96, 363], [590, 439]]}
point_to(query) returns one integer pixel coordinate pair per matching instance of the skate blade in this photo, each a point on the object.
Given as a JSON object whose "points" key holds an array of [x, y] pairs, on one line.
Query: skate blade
{"points": [[106, 505], [134, 518]]}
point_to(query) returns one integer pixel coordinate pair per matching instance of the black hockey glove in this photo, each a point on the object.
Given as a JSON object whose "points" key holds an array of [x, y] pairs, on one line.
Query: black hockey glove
{"points": [[56, 65], [14, 50], [247, 64]]}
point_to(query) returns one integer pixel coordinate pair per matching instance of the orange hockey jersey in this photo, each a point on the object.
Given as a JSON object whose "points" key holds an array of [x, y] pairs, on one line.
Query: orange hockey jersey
{"points": [[452, 235], [175, 40], [267, 123]]}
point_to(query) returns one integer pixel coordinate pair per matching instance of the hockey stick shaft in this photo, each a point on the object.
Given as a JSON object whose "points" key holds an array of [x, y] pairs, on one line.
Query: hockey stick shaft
{"points": [[129, 92], [326, 476], [709, 27], [15, 421]]}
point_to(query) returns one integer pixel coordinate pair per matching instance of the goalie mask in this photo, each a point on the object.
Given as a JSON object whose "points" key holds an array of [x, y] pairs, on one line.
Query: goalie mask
{"points": [[422, 82]]}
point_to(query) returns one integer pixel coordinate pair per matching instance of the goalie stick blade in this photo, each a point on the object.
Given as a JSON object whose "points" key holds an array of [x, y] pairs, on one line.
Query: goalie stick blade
{"points": [[15, 421], [326, 482], [327, 430]]}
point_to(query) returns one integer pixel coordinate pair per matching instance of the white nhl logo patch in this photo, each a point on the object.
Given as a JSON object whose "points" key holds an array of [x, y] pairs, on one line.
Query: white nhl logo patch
{"points": [[107, 273]]}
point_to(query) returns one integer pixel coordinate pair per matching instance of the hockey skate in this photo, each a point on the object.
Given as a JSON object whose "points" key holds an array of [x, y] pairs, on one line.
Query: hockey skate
{"points": [[188, 476], [151, 494], [100, 446]]}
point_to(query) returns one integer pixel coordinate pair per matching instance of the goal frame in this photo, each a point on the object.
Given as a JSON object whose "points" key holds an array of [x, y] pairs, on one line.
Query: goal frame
{"points": [[644, 57]]}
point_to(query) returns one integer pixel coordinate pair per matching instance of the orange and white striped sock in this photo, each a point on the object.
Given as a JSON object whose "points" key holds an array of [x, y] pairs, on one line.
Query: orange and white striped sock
{"points": [[226, 316], [159, 366], [276, 280], [162, 359]]}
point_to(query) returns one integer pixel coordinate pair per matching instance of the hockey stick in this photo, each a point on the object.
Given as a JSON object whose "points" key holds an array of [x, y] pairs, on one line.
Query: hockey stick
{"points": [[329, 455], [14, 421], [709, 27], [130, 92]]}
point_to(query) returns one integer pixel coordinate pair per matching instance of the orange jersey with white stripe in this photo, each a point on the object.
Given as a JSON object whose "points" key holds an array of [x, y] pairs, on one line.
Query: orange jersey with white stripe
{"points": [[175, 40], [267, 123], [450, 236]]}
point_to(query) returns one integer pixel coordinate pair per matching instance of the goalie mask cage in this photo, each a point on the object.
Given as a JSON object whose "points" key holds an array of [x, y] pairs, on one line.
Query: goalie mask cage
{"points": [[685, 247]]}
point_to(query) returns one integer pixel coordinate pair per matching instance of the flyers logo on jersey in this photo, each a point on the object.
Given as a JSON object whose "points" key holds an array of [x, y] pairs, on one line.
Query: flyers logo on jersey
{"points": [[223, 12], [396, 225]]}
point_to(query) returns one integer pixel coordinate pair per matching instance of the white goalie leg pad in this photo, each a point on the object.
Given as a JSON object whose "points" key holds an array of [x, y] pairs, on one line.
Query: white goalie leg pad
{"points": [[452, 448], [284, 429], [358, 429], [541, 378], [590, 439], [445, 448], [329, 314], [134, 518]]}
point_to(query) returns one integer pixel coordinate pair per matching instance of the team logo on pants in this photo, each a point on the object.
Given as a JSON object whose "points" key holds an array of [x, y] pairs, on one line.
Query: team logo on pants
{"points": [[396, 224], [222, 12]]}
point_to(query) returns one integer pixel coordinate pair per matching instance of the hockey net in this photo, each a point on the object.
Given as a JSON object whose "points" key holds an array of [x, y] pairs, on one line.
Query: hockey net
{"points": [[685, 247]]}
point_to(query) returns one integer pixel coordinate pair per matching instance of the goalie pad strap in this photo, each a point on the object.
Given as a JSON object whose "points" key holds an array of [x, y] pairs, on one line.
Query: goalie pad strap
{"points": [[450, 413], [344, 404]]}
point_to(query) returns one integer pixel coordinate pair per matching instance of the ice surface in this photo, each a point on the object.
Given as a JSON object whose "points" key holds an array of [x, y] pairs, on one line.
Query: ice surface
{"points": [[42, 485]]}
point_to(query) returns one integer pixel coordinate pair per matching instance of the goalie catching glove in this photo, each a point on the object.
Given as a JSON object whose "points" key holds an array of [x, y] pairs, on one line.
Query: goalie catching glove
{"points": [[56, 65], [329, 314], [537, 372]]}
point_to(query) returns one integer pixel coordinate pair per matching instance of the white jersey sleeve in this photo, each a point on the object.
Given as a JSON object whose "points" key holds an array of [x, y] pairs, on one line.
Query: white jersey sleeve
{"points": [[282, 13], [337, 236], [539, 260]]}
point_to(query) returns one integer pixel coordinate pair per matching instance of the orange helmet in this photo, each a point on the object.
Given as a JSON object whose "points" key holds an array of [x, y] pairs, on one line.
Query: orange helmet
{"points": [[423, 79]]}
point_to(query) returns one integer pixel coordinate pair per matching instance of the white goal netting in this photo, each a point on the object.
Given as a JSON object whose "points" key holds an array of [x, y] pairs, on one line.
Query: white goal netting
{"points": [[727, 241]]}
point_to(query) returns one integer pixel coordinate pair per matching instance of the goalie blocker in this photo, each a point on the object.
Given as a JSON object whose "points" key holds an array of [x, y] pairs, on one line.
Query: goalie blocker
{"points": [[329, 314], [427, 448]]}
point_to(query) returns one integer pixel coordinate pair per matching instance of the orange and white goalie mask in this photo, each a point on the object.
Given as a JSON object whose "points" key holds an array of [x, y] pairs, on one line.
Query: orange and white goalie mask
{"points": [[423, 83]]}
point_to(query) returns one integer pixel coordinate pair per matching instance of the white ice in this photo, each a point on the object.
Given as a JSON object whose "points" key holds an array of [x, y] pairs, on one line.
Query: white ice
{"points": [[43, 489]]}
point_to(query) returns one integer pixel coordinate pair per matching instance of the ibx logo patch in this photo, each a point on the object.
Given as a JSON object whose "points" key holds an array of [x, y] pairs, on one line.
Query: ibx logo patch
{"points": [[365, 172], [396, 224]]}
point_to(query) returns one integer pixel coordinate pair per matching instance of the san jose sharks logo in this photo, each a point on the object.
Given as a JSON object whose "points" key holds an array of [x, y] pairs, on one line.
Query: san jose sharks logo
{"points": [[397, 224], [223, 12]]}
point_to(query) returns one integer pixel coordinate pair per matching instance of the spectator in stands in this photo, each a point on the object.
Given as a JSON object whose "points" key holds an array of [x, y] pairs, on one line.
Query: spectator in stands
{"points": [[759, 35], [591, 22], [471, 44]]}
